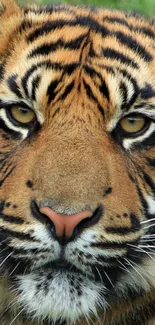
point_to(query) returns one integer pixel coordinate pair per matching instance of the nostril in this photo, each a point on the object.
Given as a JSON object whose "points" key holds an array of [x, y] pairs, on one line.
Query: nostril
{"points": [[65, 223], [60, 231], [88, 222]]}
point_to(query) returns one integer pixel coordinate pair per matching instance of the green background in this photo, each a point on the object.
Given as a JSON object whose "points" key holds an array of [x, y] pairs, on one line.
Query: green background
{"points": [[145, 6]]}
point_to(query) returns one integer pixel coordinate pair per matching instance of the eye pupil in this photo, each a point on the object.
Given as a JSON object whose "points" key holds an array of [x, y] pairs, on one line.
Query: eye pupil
{"points": [[131, 120], [23, 110]]}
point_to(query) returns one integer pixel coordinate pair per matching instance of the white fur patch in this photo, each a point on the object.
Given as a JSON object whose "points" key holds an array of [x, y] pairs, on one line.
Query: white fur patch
{"points": [[151, 204], [55, 295], [127, 143]]}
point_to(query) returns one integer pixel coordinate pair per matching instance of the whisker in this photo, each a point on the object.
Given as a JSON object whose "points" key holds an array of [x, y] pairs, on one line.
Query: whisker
{"points": [[4, 240], [145, 240], [3, 250], [109, 279], [149, 226], [87, 320], [10, 305], [138, 249], [124, 267], [145, 221], [129, 262], [99, 274], [90, 319], [147, 246], [14, 269], [6, 258], [149, 235], [148, 253], [143, 251], [17, 316]]}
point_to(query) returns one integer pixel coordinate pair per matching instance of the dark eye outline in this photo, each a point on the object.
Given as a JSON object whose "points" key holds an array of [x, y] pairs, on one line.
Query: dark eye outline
{"points": [[125, 134], [11, 118]]}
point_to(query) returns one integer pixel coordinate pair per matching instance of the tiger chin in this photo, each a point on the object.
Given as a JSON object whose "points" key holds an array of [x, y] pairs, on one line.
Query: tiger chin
{"points": [[77, 166]]}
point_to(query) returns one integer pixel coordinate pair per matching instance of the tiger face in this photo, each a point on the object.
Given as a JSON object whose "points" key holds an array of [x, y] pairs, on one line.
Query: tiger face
{"points": [[77, 157]]}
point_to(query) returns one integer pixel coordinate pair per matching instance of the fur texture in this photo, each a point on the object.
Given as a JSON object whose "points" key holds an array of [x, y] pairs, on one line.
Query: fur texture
{"points": [[87, 76]]}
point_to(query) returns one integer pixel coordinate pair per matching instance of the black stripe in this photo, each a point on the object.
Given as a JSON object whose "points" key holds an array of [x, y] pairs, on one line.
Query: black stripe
{"points": [[143, 103], [115, 55], [67, 91], [2, 205], [104, 90], [92, 73], [15, 234], [89, 92], [2, 70], [51, 91], [68, 68], [151, 161], [35, 85], [113, 245], [144, 30], [117, 20], [6, 176], [146, 143], [60, 23], [120, 230], [128, 41], [5, 171], [140, 30], [11, 219], [27, 76], [13, 86], [50, 8], [143, 201], [126, 230], [91, 52], [26, 24], [3, 162], [46, 49], [13, 134], [147, 92], [149, 180], [92, 96], [124, 93], [21, 250], [133, 45], [127, 75]]}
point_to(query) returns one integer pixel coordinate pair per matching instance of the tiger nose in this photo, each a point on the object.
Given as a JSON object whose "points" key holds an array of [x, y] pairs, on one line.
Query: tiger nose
{"points": [[65, 224]]}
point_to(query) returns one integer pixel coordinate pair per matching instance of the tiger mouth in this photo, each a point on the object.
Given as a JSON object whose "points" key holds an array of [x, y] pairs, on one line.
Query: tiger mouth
{"points": [[60, 265]]}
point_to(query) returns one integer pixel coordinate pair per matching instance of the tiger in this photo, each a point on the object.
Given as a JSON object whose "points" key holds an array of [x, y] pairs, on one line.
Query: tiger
{"points": [[77, 166]]}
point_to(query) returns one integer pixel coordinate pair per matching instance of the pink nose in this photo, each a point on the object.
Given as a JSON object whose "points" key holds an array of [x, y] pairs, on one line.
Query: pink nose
{"points": [[65, 224]]}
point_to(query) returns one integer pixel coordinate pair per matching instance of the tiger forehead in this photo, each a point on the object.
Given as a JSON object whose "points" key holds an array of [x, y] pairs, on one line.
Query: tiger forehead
{"points": [[55, 43], [44, 31]]}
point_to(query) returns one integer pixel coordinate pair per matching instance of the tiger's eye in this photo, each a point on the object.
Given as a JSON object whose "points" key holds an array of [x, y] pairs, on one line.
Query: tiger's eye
{"points": [[22, 114], [132, 123]]}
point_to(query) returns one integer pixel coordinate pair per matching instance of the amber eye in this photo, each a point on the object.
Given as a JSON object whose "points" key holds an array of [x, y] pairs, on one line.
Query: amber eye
{"points": [[133, 123], [22, 115]]}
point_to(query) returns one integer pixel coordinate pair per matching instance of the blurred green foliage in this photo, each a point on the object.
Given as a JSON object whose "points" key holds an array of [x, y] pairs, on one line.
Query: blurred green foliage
{"points": [[145, 6]]}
